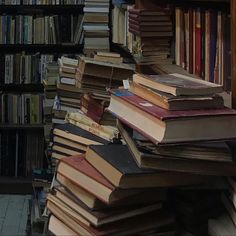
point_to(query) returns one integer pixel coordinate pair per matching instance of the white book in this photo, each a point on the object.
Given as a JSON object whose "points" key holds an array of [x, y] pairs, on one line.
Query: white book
{"points": [[96, 9], [68, 81], [95, 27]]}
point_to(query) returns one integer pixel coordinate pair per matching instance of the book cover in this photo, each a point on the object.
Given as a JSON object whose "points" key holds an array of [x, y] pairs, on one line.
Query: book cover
{"points": [[164, 114], [75, 130]]}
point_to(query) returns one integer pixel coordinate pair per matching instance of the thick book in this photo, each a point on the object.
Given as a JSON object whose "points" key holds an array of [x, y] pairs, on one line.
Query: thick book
{"points": [[171, 102], [147, 222], [178, 84], [117, 164], [150, 33], [80, 172], [178, 164], [148, 196], [103, 216], [57, 227], [76, 134], [100, 69], [163, 126], [147, 12], [139, 18]]}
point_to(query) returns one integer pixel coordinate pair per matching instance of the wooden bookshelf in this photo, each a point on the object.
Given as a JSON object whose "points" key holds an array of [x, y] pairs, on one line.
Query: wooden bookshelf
{"points": [[41, 9], [233, 50], [22, 88], [42, 48], [21, 126]]}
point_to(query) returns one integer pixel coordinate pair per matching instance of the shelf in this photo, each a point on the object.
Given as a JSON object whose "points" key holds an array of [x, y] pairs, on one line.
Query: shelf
{"points": [[22, 88], [21, 126], [15, 185], [42, 48], [123, 51], [41, 9]]}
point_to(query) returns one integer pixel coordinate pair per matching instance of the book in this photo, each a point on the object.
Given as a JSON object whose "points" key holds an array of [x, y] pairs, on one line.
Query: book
{"points": [[81, 119], [89, 66], [70, 62], [150, 221], [216, 151], [178, 84], [160, 161], [147, 196], [76, 134], [124, 172], [157, 124], [69, 143], [87, 198], [171, 102], [80, 172], [101, 217], [57, 227]]}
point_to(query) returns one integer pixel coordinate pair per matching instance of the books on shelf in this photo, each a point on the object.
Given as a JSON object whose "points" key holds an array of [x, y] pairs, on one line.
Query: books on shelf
{"points": [[203, 43], [153, 31], [42, 2], [21, 108], [21, 68], [26, 29], [21, 152], [95, 26]]}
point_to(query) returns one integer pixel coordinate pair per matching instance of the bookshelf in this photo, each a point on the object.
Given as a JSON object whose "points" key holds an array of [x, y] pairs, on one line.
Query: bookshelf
{"points": [[228, 6], [22, 139]]}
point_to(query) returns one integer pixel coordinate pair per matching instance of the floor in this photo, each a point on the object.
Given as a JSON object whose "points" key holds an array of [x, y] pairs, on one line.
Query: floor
{"points": [[14, 210]]}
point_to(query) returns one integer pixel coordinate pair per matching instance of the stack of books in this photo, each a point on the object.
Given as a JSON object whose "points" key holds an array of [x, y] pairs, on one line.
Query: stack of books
{"points": [[96, 110], [172, 137], [101, 193], [95, 26], [50, 86], [153, 31], [70, 139], [94, 77], [68, 97]]}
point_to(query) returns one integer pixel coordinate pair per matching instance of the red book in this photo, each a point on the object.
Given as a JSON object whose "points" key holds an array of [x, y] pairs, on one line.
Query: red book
{"points": [[198, 43], [190, 41], [163, 126], [80, 172]]}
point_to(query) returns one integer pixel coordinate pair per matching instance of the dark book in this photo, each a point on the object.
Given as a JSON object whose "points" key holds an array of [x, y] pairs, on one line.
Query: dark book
{"points": [[76, 134], [172, 163], [117, 164], [150, 33]]}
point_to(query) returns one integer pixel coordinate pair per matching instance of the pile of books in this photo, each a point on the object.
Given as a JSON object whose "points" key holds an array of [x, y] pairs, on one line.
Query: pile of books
{"points": [[153, 31], [95, 26], [92, 200], [94, 77], [50, 86], [176, 118], [68, 97]]}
